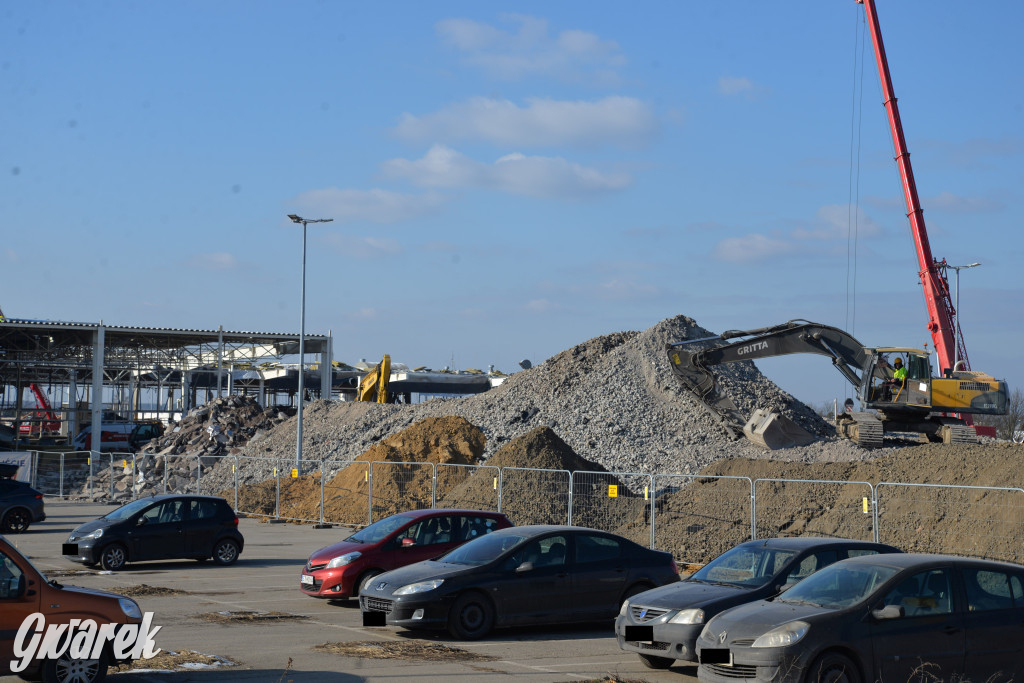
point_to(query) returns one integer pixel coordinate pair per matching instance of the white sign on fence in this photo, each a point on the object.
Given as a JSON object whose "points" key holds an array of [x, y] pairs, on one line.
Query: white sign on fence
{"points": [[22, 460]]}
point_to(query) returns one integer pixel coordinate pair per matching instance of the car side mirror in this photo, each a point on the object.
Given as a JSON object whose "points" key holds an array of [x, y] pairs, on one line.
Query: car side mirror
{"points": [[142, 521], [783, 587], [524, 567], [888, 612], [408, 542]]}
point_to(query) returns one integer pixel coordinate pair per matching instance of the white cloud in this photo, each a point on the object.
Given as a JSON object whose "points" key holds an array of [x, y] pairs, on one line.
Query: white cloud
{"points": [[833, 222], [753, 247], [541, 306], [827, 231], [212, 261], [376, 206], [534, 176], [731, 86], [623, 121], [947, 201], [529, 50], [623, 289], [365, 248]]}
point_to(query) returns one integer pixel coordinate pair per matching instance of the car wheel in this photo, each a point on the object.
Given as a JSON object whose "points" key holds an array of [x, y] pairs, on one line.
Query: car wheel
{"points": [[833, 667], [114, 557], [357, 590], [16, 521], [652, 662], [66, 669], [225, 552], [471, 617]]}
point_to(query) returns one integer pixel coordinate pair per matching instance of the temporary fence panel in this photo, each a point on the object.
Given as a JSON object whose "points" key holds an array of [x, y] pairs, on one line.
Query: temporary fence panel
{"points": [[978, 521], [535, 496], [619, 502], [470, 487], [400, 486], [297, 496], [62, 474], [346, 492], [803, 507], [697, 518]]}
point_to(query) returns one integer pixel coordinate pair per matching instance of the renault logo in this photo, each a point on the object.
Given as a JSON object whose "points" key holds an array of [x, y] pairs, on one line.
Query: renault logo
{"points": [[721, 637]]}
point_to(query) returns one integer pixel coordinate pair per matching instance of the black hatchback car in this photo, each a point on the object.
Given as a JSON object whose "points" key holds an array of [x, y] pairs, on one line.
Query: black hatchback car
{"points": [[20, 504], [162, 527], [516, 577], [900, 617], [662, 625]]}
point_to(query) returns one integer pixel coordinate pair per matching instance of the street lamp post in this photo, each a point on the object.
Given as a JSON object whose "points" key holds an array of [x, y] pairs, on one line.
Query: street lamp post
{"points": [[956, 307], [302, 336]]}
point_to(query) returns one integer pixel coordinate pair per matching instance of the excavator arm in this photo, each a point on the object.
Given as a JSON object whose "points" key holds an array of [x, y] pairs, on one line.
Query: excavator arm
{"points": [[691, 364]]}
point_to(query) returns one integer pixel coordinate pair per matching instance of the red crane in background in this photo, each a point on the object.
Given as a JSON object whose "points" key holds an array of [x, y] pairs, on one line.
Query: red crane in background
{"points": [[49, 424], [942, 322]]}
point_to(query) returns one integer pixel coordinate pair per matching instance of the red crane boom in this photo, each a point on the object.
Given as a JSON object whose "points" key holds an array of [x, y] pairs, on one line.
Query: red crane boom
{"points": [[942, 322]]}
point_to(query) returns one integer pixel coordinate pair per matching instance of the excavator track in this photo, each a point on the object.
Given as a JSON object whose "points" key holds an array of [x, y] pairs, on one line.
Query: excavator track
{"points": [[958, 433], [864, 429]]}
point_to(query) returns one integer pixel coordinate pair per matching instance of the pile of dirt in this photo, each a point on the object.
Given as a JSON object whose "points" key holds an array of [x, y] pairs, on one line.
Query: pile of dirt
{"points": [[438, 440], [712, 514]]}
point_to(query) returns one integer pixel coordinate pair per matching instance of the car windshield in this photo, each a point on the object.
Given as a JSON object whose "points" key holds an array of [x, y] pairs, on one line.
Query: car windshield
{"points": [[126, 511], [378, 531], [748, 566], [483, 550], [838, 585]]}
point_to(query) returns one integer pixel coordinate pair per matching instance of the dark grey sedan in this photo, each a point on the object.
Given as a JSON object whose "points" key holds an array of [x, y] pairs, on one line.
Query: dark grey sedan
{"points": [[662, 624], [20, 504], [879, 618], [516, 577]]}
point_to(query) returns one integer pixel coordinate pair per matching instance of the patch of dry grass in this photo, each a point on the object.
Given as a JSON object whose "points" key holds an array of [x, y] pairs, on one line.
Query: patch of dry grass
{"points": [[394, 649]]}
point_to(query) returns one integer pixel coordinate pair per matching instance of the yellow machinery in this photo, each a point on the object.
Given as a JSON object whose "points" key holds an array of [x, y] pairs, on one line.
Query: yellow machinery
{"points": [[374, 385]]}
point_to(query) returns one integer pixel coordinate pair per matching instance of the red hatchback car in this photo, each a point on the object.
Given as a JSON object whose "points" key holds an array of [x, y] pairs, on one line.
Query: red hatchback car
{"points": [[337, 571]]}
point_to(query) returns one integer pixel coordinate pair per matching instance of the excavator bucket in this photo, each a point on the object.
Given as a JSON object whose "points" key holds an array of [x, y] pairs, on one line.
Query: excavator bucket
{"points": [[774, 431]]}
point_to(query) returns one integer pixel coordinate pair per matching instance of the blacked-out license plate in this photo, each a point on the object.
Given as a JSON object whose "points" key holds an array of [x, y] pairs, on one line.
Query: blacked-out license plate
{"points": [[69, 549], [716, 655]]}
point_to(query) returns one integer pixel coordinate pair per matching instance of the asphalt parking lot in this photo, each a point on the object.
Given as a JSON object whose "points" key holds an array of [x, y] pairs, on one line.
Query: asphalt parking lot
{"points": [[253, 613]]}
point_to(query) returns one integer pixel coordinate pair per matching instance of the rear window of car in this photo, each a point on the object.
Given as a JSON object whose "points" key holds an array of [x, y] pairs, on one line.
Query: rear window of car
{"points": [[204, 509], [596, 548], [860, 552], [992, 590]]}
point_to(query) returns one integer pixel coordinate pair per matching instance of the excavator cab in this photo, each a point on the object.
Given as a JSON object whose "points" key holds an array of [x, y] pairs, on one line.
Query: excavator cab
{"points": [[889, 389]]}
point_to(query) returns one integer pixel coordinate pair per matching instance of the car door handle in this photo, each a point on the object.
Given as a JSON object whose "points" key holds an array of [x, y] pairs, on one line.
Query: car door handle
{"points": [[950, 630]]}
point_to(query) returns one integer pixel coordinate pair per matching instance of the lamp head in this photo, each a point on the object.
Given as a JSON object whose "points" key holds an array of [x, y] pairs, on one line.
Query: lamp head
{"points": [[295, 219]]}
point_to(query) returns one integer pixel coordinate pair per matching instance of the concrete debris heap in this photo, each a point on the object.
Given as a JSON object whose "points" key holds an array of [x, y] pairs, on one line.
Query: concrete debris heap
{"points": [[221, 427], [175, 461]]}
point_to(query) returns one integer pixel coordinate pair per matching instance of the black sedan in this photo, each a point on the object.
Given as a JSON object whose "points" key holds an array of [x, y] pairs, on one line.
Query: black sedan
{"points": [[517, 577], [20, 504], [662, 624], [879, 618], [162, 527]]}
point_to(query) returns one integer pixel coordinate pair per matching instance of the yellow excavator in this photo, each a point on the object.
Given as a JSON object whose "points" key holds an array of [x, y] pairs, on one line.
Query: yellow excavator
{"points": [[373, 386], [895, 396]]}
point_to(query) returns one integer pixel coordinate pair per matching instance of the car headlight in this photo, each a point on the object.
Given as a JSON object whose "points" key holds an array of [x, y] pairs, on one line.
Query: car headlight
{"points": [[93, 534], [706, 633], [421, 587], [624, 608], [787, 634], [342, 560], [130, 608], [688, 616]]}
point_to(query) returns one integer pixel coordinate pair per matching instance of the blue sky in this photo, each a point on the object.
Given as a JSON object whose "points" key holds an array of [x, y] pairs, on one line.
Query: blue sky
{"points": [[506, 180]]}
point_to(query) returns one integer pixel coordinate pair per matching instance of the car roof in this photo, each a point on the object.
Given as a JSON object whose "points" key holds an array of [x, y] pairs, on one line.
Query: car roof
{"points": [[532, 530], [175, 496], [804, 542], [432, 512], [912, 560]]}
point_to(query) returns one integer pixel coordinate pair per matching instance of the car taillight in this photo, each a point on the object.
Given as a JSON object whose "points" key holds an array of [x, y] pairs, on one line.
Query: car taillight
{"points": [[675, 567], [39, 496], [236, 522]]}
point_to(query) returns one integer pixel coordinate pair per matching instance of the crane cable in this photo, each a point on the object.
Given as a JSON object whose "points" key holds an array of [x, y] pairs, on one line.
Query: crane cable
{"points": [[853, 191]]}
